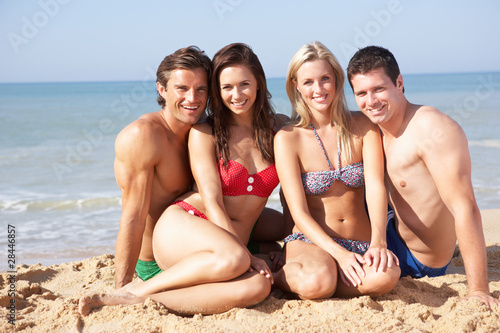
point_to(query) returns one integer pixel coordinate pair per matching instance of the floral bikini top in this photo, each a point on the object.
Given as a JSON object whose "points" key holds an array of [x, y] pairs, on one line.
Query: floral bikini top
{"points": [[236, 180], [318, 182]]}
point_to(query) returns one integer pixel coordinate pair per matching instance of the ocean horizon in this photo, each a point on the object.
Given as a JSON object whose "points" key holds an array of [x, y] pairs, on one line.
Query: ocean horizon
{"points": [[57, 153]]}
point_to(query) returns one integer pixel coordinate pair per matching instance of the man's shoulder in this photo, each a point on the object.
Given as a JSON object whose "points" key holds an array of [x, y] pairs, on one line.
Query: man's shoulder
{"points": [[146, 125], [426, 113], [428, 119], [146, 131]]}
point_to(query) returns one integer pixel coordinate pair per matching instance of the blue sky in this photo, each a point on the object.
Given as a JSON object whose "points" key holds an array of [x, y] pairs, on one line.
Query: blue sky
{"points": [[70, 40]]}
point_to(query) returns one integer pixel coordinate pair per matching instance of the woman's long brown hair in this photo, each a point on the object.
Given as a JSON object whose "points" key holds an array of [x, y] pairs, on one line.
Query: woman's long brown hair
{"points": [[219, 116]]}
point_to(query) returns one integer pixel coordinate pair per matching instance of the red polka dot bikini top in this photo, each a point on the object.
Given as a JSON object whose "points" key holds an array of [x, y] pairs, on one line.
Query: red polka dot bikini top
{"points": [[236, 181]]}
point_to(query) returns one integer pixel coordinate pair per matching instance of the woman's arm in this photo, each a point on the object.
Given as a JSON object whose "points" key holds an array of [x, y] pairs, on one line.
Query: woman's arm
{"points": [[376, 197], [204, 166]]}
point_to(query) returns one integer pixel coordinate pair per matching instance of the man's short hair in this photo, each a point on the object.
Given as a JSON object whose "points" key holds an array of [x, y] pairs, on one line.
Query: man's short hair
{"points": [[189, 58], [370, 58]]}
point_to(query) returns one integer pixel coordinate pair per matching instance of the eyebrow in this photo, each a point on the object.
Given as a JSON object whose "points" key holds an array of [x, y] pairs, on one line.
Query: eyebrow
{"points": [[322, 75], [229, 84], [177, 86]]}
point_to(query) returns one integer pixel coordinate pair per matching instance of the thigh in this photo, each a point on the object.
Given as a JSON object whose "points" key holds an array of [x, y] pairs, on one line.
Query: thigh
{"points": [[178, 234], [308, 255]]}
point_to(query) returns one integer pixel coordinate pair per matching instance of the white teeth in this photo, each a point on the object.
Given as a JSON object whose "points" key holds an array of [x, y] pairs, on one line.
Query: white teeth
{"points": [[190, 107], [378, 109], [320, 98], [239, 104]]}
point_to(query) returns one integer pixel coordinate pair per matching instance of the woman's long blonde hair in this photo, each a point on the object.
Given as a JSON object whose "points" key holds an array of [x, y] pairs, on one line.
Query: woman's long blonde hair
{"points": [[340, 116]]}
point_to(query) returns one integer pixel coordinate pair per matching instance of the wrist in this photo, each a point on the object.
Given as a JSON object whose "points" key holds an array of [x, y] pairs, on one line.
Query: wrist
{"points": [[378, 243]]}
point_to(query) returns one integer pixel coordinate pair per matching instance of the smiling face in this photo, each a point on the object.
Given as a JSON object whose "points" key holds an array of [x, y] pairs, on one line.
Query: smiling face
{"points": [[186, 94], [238, 89], [376, 95], [316, 84]]}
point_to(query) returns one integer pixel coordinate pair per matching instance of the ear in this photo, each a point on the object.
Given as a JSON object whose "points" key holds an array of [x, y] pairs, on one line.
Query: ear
{"points": [[399, 83], [161, 89], [296, 86]]}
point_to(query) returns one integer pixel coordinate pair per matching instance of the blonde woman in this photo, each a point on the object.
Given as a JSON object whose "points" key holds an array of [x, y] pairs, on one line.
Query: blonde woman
{"points": [[329, 160]]}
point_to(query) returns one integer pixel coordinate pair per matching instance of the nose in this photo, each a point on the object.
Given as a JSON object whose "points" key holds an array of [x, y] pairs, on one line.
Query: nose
{"points": [[371, 99], [236, 93], [317, 87], [190, 95]]}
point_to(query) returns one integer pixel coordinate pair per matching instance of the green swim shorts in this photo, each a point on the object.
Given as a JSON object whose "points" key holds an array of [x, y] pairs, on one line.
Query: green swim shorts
{"points": [[147, 269]]}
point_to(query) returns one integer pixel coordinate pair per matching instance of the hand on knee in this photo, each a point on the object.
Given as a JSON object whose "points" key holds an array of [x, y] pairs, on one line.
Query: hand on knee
{"points": [[382, 282]]}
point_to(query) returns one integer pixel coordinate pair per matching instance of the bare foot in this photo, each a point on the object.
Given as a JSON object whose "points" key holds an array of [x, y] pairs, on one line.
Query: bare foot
{"points": [[88, 303]]}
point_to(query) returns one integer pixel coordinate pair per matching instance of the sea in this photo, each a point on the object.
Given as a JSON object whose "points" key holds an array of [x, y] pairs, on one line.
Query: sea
{"points": [[59, 201]]}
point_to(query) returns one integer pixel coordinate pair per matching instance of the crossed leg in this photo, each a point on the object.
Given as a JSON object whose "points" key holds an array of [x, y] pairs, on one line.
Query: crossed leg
{"points": [[244, 291], [311, 273], [205, 270]]}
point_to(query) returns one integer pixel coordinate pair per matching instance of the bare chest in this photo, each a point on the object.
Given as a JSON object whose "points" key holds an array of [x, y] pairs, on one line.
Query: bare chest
{"points": [[405, 169], [172, 176]]}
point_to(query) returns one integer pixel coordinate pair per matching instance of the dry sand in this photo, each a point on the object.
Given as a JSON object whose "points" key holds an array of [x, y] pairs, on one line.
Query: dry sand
{"points": [[47, 301]]}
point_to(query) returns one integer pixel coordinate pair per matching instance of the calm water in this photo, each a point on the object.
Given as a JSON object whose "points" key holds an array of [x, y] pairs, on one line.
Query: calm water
{"points": [[56, 155]]}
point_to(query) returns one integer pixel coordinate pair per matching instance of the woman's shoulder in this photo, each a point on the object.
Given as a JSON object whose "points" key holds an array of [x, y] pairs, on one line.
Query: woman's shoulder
{"points": [[291, 132], [201, 127]]}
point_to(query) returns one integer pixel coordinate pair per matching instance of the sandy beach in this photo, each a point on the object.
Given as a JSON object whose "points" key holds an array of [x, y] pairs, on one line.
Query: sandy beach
{"points": [[47, 301]]}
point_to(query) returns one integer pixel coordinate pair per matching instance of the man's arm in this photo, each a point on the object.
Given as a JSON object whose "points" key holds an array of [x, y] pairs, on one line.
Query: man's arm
{"points": [[134, 170], [448, 161]]}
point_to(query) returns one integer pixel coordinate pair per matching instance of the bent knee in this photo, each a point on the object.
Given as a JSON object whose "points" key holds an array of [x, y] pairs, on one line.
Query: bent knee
{"points": [[255, 291], [231, 264], [382, 282], [317, 284]]}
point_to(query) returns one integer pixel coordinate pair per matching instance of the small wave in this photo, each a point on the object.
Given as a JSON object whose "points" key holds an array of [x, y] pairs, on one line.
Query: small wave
{"points": [[485, 143], [57, 205]]}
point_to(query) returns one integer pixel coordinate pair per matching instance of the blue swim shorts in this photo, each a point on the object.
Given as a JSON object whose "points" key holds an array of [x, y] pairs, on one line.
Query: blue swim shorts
{"points": [[407, 262]]}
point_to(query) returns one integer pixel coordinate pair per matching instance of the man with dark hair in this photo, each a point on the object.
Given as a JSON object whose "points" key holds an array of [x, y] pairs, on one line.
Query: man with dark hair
{"points": [[428, 176], [151, 165]]}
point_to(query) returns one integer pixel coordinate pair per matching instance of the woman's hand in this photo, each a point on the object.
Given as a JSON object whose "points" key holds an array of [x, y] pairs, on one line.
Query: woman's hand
{"points": [[260, 266], [380, 258], [351, 269]]}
